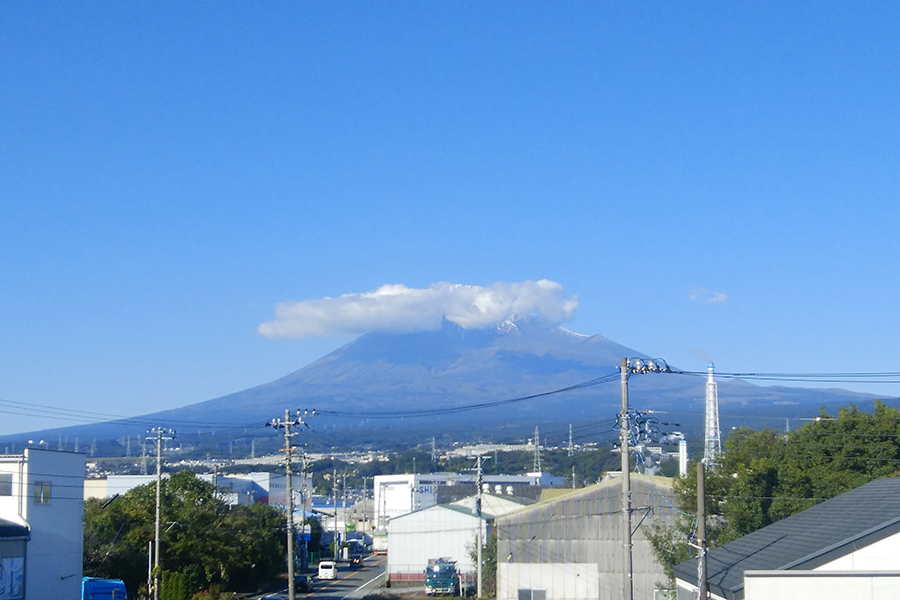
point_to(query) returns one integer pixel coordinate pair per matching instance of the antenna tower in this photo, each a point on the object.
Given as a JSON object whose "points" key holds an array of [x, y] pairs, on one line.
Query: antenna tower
{"points": [[713, 438], [537, 451]]}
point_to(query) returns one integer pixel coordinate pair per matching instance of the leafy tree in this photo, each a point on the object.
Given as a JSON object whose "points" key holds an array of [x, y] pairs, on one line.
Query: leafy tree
{"points": [[488, 563], [204, 542], [764, 476]]}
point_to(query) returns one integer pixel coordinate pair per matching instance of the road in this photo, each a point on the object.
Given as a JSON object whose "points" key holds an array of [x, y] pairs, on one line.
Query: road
{"points": [[351, 582]]}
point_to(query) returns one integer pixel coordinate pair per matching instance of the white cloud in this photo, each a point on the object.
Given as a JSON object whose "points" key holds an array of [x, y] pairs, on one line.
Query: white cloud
{"points": [[704, 295], [399, 308]]}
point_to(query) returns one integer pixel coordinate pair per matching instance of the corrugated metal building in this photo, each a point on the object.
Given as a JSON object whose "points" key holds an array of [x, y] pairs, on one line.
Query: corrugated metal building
{"points": [[569, 546]]}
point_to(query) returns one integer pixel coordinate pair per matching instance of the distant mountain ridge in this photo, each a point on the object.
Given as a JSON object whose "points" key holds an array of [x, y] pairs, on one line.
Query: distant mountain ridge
{"points": [[456, 367]]}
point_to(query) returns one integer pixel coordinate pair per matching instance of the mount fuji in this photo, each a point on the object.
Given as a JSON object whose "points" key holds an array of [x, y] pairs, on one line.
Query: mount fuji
{"points": [[435, 382]]}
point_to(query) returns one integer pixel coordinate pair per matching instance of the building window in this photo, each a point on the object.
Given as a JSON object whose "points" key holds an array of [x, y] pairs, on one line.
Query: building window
{"points": [[42, 492], [5, 484], [533, 594]]}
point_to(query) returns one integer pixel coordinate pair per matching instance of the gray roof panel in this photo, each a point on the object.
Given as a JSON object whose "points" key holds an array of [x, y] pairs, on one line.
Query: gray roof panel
{"points": [[805, 540]]}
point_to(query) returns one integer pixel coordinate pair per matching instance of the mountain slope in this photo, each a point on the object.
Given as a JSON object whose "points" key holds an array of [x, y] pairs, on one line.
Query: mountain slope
{"points": [[381, 373]]}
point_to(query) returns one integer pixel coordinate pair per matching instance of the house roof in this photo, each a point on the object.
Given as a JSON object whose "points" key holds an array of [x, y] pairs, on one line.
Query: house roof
{"points": [[465, 510], [8, 530], [493, 505], [806, 540]]}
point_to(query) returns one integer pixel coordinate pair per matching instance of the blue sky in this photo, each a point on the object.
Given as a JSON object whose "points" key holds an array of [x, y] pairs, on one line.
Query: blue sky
{"points": [[711, 180]]}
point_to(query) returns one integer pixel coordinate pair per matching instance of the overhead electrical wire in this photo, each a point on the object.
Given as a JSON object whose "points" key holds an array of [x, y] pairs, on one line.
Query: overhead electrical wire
{"points": [[83, 416], [91, 417], [466, 407], [889, 377]]}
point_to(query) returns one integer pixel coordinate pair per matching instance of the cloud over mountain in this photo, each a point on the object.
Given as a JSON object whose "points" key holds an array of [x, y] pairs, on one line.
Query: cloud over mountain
{"points": [[401, 309]]}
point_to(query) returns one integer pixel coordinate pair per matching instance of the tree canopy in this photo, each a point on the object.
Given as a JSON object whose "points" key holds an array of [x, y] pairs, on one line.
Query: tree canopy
{"points": [[763, 476], [204, 541]]}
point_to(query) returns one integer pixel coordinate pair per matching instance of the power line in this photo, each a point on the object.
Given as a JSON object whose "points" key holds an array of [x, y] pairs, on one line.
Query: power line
{"points": [[468, 407]]}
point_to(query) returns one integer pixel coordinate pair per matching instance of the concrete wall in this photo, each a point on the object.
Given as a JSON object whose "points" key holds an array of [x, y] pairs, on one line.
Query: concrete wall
{"points": [[562, 581], [821, 585]]}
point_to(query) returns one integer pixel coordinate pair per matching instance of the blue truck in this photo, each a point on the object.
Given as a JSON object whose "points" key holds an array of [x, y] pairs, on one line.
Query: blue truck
{"points": [[97, 588]]}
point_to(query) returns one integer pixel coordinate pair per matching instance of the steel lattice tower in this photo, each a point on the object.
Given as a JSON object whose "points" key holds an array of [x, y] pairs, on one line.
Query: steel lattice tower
{"points": [[713, 438]]}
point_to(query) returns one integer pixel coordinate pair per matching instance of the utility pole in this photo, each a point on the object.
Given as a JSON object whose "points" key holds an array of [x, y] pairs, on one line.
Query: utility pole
{"points": [[286, 424], [334, 493], [160, 434], [635, 365], [479, 483], [624, 434], [304, 497], [344, 501], [701, 530]]}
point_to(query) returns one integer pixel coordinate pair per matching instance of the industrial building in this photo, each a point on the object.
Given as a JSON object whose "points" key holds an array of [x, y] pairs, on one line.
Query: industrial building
{"points": [[570, 545], [397, 495], [240, 489]]}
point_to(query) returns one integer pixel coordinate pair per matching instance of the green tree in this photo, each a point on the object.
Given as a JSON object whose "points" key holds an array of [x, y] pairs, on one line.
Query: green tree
{"points": [[764, 476], [488, 563], [204, 542]]}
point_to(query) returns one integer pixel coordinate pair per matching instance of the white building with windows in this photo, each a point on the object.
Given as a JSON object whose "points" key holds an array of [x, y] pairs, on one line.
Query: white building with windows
{"points": [[397, 495], [243, 489], [41, 524]]}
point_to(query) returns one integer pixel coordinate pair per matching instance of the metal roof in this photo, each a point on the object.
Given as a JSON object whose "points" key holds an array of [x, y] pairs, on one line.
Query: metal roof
{"points": [[9, 530], [806, 540]]}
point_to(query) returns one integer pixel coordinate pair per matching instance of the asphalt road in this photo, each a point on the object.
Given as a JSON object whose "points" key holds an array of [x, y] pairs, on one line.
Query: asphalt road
{"points": [[351, 582]]}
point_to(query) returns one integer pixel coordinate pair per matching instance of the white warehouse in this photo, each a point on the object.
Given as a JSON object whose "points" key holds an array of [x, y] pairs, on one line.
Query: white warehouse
{"points": [[443, 531]]}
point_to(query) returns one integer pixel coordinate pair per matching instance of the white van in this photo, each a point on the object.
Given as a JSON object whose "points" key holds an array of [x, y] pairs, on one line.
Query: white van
{"points": [[327, 569]]}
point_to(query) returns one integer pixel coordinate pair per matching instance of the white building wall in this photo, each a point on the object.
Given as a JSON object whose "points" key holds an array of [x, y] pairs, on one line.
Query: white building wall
{"points": [[55, 517], [12, 507], [397, 495], [561, 581], [821, 585], [883, 555], [438, 532]]}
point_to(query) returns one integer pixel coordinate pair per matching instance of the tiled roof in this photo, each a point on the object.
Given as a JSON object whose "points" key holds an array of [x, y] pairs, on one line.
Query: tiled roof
{"points": [[805, 540]]}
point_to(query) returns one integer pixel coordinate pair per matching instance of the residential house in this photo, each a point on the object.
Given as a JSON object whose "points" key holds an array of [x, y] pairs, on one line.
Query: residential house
{"points": [[845, 547]]}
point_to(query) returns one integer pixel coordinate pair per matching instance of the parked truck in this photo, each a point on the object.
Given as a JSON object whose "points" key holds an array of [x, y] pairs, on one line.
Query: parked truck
{"points": [[441, 577], [96, 588]]}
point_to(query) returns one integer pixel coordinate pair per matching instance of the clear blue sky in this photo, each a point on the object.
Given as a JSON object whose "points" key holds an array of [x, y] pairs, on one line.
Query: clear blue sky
{"points": [[711, 180]]}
